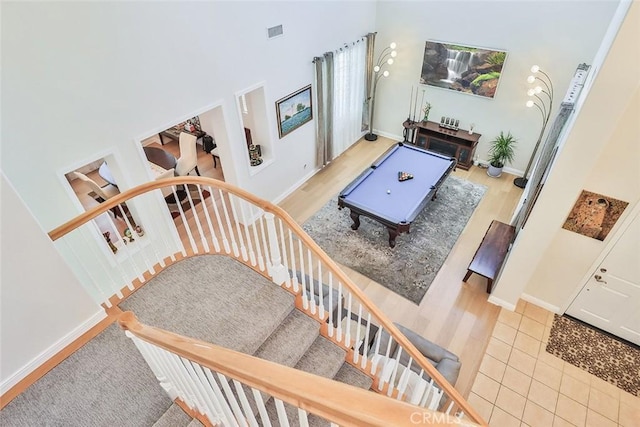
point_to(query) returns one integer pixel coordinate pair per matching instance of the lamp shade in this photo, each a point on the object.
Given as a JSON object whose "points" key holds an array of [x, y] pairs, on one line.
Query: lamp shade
{"points": [[529, 103], [392, 45], [535, 68]]}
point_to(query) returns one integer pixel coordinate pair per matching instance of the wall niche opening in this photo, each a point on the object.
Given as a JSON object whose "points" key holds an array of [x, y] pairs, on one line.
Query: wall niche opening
{"points": [[252, 110]]}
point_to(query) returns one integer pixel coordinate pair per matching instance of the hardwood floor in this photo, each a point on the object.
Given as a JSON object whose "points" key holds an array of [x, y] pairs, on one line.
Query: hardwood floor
{"points": [[454, 314]]}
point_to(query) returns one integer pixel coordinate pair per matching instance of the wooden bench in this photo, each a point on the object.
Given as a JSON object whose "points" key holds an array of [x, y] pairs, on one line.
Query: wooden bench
{"points": [[491, 252]]}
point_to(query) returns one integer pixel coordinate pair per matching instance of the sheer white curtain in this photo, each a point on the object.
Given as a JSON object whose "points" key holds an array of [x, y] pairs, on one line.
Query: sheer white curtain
{"points": [[349, 85]]}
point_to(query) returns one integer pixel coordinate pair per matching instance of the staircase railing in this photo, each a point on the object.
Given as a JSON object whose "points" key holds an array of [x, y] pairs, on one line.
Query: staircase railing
{"points": [[187, 216], [209, 380]]}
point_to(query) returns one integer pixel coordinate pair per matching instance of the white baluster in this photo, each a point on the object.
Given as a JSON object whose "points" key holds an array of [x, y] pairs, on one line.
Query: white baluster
{"points": [[312, 301], [233, 402], [265, 245], [248, 412], [285, 257], [282, 414], [320, 291], [392, 381], [221, 228], [238, 230], [245, 224], [278, 270], [196, 217], [302, 418], [303, 278], [262, 410], [356, 346], [229, 419], [232, 236], [365, 344]]}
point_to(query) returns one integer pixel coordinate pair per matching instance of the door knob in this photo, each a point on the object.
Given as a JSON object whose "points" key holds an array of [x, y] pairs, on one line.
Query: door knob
{"points": [[599, 279]]}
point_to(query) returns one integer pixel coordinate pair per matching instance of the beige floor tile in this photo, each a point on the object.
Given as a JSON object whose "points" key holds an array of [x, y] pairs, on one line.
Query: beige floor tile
{"points": [[516, 381], [481, 405], [559, 422], [527, 344], [577, 373], [499, 349], [550, 359], [504, 333], [550, 317], [486, 387], [575, 389], [603, 404], [605, 387], [571, 410], [548, 375], [629, 415], [520, 306], [510, 402], [629, 399], [594, 419], [543, 396], [523, 362], [492, 367], [500, 418], [536, 313], [510, 318], [545, 335], [536, 416], [532, 328]]}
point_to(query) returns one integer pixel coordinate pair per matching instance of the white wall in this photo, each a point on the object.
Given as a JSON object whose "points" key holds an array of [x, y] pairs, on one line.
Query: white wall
{"points": [[43, 306], [601, 155], [556, 35], [79, 78]]}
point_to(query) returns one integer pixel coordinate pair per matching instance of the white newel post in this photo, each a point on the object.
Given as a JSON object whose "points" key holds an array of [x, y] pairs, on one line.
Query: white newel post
{"points": [[277, 270]]}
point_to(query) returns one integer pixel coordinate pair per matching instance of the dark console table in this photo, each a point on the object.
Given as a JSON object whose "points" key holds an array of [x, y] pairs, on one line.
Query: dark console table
{"points": [[459, 144], [174, 133]]}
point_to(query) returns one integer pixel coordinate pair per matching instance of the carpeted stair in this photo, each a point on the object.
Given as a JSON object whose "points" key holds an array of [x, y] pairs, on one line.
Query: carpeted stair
{"points": [[294, 341], [212, 298]]}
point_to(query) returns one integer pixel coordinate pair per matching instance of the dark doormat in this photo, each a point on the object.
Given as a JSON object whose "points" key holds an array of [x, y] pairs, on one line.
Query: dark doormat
{"points": [[591, 350]]}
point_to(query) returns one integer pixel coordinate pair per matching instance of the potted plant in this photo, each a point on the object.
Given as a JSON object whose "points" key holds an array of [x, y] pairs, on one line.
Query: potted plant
{"points": [[500, 153]]}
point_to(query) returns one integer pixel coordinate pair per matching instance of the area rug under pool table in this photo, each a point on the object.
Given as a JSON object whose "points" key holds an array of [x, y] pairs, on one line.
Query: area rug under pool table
{"points": [[410, 267]]}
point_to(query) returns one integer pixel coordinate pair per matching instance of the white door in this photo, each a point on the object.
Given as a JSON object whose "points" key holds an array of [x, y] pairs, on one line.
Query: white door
{"points": [[611, 298]]}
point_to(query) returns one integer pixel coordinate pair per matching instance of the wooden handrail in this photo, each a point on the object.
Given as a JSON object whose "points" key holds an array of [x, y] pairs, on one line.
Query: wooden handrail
{"points": [[340, 403], [408, 347]]}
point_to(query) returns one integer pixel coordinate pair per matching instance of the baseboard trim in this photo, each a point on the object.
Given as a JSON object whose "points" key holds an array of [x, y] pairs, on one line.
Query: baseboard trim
{"points": [[540, 303], [295, 186], [51, 357], [502, 303]]}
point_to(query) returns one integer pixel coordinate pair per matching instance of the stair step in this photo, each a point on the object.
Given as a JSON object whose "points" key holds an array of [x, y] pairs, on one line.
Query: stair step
{"points": [[173, 417], [223, 302], [323, 358], [353, 376], [288, 343]]}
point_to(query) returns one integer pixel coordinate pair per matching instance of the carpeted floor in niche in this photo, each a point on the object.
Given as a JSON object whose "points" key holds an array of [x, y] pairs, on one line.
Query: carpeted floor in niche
{"points": [[595, 352], [410, 267]]}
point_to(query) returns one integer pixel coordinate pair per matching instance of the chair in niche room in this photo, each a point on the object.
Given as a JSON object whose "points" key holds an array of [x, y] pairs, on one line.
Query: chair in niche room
{"points": [[210, 147], [188, 159], [104, 193]]}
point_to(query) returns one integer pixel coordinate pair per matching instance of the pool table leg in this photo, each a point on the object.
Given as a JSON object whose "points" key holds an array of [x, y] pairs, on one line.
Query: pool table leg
{"points": [[435, 195], [392, 237], [356, 220]]}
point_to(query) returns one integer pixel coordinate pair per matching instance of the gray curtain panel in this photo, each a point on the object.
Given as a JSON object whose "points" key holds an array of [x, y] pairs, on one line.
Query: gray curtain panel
{"points": [[324, 102], [371, 39]]}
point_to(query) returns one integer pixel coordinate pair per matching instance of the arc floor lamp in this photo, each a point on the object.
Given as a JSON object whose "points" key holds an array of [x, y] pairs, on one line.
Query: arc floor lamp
{"points": [[386, 58], [544, 104]]}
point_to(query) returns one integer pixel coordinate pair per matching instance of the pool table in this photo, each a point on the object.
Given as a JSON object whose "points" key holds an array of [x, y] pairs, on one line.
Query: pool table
{"points": [[378, 194]]}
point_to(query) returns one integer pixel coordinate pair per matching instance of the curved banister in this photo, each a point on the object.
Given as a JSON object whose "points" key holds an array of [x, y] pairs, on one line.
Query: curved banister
{"points": [[340, 403], [311, 245]]}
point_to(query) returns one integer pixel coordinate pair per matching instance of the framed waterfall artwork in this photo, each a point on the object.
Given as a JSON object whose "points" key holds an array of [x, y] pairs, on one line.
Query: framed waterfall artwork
{"points": [[294, 110], [466, 69]]}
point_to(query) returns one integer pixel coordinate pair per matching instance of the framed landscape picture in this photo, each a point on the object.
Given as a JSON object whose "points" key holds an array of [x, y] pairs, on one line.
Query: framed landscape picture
{"points": [[294, 110], [462, 68]]}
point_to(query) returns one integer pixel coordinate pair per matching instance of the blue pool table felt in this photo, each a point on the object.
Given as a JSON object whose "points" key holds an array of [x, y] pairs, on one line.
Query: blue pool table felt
{"points": [[369, 192]]}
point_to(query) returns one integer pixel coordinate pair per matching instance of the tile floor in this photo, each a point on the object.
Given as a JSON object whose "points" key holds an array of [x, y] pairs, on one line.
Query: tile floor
{"points": [[520, 384]]}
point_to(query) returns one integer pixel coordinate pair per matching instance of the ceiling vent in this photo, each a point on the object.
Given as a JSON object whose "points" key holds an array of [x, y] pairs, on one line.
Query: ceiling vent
{"points": [[276, 31]]}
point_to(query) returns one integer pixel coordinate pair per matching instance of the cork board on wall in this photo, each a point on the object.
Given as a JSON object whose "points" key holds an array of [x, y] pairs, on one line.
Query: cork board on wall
{"points": [[594, 215]]}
